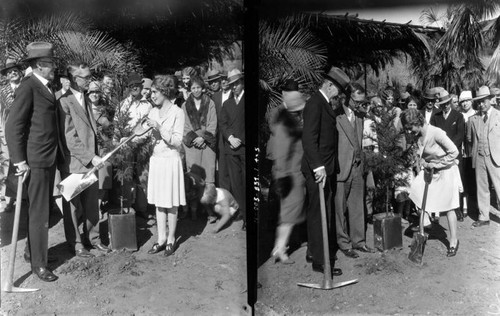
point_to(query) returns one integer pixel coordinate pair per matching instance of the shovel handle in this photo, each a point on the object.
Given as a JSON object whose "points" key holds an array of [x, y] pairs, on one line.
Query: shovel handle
{"points": [[324, 228], [427, 180]]}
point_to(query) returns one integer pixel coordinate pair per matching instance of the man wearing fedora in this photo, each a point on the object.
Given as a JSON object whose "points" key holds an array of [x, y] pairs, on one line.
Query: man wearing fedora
{"points": [[232, 123], [33, 138], [483, 133], [430, 97], [219, 97], [319, 164], [453, 123], [349, 207], [213, 81], [132, 104], [81, 156]]}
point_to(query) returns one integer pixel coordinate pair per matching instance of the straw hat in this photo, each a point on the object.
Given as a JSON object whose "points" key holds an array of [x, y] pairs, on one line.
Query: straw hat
{"points": [[465, 96], [443, 97], [213, 75], [432, 93], [482, 93], [234, 75]]}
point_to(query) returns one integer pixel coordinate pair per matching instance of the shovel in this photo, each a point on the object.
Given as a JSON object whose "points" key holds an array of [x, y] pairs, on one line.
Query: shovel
{"points": [[76, 183], [9, 283], [327, 276], [420, 238]]}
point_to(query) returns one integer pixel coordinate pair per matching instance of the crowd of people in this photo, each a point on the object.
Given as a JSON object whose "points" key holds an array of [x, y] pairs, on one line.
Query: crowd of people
{"points": [[321, 141], [63, 121]]}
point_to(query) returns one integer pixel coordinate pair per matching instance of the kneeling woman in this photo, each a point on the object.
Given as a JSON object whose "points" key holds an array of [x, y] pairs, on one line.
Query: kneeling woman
{"points": [[437, 153], [166, 177]]}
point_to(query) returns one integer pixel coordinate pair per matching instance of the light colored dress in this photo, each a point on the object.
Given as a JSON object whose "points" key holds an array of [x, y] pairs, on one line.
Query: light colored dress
{"points": [[443, 193], [166, 176]]}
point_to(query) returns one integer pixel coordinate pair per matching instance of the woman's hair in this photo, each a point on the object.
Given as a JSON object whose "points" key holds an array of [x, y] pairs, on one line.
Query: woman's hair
{"points": [[414, 99], [209, 195], [412, 117], [198, 80], [166, 85]]}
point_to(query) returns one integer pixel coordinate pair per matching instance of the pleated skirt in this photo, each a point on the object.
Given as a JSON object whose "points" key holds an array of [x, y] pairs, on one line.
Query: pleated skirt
{"points": [[166, 182]]}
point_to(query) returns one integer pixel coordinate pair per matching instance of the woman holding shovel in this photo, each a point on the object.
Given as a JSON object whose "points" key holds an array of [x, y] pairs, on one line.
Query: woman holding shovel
{"points": [[436, 153], [166, 177]]}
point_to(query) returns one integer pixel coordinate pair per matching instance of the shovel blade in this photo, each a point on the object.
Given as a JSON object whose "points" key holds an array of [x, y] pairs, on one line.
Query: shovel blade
{"points": [[75, 184], [8, 288], [328, 285], [417, 248]]}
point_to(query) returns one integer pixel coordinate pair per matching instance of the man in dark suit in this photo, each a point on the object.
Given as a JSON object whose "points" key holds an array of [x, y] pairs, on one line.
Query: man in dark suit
{"points": [[430, 97], [219, 97], [81, 155], [453, 123], [319, 139], [33, 139], [232, 123], [349, 208]]}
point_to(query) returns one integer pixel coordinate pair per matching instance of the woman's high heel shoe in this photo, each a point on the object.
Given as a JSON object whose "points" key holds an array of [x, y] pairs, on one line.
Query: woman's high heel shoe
{"points": [[156, 248], [453, 250], [170, 249], [282, 257]]}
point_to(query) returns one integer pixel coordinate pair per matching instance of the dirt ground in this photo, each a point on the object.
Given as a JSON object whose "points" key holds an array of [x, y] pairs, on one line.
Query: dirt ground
{"points": [[390, 284], [206, 275]]}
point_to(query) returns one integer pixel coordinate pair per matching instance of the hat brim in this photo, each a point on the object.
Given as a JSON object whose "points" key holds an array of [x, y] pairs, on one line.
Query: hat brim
{"points": [[326, 76], [233, 80], [444, 101], [483, 97], [39, 57], [213, 79], [4, 70]]}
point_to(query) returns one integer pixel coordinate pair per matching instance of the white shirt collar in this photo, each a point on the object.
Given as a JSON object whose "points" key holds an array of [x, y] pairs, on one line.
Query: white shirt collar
{"points": [[42, 79], [238, 99], [324, 95], [79, 96]]}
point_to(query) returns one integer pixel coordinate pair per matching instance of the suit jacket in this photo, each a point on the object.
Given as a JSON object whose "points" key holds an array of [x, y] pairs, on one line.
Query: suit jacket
{"points": [[493, 135], [350, 140], [32, 130], [232, 122], [453, 125], [319, 135], [80, 134]]}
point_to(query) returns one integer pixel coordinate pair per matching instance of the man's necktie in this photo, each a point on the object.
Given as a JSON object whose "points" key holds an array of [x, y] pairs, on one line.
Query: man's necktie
{"points": [[485, 117], [49, 85]]}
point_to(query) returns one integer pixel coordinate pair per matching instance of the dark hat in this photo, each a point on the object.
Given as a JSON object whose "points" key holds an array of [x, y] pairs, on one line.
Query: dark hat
{"points": [[443, 97], [483, 92], [39, 50], [290, 85], [338, 77], [9, 64], [213, 75], [133, 78]]}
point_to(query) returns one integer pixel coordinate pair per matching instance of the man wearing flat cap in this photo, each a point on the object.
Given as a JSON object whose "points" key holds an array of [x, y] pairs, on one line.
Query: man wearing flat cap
{"points": [[319, 164], [33, 138], [483, 133], [452, 122]]}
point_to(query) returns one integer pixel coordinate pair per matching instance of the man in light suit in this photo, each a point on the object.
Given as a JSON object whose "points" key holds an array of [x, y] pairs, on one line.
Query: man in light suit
{"points": [[483, 133], [453, 123], [81, 155], [349, 208], [319, 164], [232, 124], [33, 137]]}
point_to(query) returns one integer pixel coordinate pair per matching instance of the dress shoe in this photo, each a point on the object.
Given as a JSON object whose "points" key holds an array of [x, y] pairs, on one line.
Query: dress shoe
{"points": [[480, 223], [364, 248], [244, 226], [460, 215], [44, 274], [350, 253], [309, 258], [317, 267], [50, 259], [101, 247], [281, 256], [83, 253], [156, 248], [453, 250], [170, 249]]}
